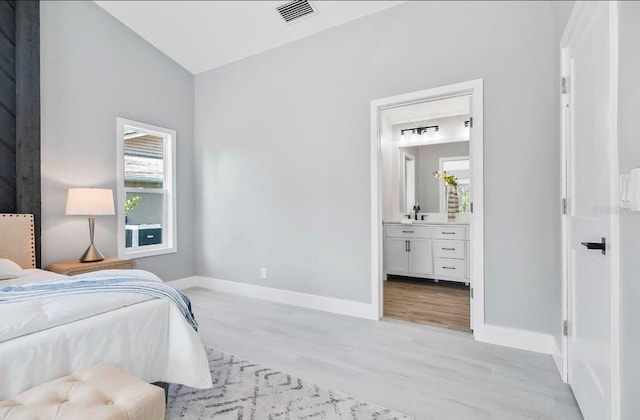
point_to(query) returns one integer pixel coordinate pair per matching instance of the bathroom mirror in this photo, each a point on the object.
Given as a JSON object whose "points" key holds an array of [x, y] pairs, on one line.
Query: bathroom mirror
{"points": [[418, 140], [416, 183]]}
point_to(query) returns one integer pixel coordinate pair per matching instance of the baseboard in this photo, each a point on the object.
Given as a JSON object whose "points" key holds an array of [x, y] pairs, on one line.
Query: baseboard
{"points": [[492, 334], [304, 300], [516, 338], [184, 283]]}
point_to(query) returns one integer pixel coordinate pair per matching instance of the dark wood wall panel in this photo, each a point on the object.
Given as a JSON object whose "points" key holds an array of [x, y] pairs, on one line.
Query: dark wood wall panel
{"points": [[28, 112], [7, 128], [8, 20], [7, 57], [8, 190], [20, 110], [8, 92]]}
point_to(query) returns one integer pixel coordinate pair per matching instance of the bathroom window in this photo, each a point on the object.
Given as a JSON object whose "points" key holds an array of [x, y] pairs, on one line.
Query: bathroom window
{"points": [[460, 167], [146, 196]]}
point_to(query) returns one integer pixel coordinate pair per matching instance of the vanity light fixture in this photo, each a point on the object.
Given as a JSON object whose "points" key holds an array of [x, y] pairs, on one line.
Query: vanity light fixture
{"points": [[419, 130]]}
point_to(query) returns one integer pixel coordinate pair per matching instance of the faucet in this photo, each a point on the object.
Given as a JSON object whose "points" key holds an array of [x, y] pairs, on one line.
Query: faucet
{"points": [[416, 209]]}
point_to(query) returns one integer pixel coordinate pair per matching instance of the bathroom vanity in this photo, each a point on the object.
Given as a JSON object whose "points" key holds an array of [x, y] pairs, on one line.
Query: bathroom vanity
{"points": [[432, 250]]}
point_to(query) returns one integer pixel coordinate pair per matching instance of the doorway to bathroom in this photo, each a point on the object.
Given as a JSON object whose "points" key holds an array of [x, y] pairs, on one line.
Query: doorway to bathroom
{"points": [[427, 207]]}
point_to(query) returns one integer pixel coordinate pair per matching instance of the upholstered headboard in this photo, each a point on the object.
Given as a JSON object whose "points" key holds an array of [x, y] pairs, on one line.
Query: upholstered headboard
{"points": [[17, 239]]}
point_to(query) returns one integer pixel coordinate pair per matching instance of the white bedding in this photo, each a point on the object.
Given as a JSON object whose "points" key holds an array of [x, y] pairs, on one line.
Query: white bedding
{"points": [[49, 338]]}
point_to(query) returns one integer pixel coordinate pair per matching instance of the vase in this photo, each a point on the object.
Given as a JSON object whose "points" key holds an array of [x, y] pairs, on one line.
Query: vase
{"points": [[453, 203]]}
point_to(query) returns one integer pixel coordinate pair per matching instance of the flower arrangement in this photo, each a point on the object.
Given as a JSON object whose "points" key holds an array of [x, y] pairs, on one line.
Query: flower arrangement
{"points": [[446, 177]]}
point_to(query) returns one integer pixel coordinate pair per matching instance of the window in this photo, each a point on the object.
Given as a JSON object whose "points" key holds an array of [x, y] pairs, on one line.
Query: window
{"points": [[146, 197], [460, 167]]}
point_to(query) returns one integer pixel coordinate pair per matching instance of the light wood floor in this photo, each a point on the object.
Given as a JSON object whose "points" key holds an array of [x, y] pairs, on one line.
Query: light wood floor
{"points": [[443, 304], [422, 371]]}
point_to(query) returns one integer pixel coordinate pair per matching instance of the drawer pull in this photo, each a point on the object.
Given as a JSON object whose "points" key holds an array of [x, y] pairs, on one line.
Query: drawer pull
{"points": [[448, 268], [448, 249], [149, 236], [407, 231], [448, 233]]}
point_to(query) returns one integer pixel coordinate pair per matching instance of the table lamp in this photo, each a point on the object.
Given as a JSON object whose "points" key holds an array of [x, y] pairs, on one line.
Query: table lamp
{"points": [[90, 202]]}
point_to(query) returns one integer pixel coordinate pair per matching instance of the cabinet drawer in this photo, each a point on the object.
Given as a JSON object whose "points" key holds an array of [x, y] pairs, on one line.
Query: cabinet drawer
{"points": [[408, 231], [149, 236], [449, 232], [450, 268], [449, 249]]}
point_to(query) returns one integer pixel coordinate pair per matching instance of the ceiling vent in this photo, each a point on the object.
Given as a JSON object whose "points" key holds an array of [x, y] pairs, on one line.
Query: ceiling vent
{"points": [[295, 10]]}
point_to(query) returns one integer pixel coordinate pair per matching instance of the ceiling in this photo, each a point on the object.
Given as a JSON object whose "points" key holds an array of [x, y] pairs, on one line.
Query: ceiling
{"points": [[202, 35], [428, 110]]}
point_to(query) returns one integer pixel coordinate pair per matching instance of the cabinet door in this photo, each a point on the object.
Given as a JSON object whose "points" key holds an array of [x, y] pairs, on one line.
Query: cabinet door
{"points": [[395, 255], [420, 257]]}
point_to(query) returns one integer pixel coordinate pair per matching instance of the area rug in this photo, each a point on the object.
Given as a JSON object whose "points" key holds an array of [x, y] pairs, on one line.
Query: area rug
{"points": [[243, 390]]}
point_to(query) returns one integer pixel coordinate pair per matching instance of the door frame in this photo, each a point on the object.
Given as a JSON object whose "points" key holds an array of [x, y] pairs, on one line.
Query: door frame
{"points": [[473, 88], [577, 22]]}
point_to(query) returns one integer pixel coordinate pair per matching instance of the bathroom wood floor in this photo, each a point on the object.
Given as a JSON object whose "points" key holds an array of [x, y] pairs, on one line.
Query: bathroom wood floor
{"points": [[443, 304], [425, 372]]}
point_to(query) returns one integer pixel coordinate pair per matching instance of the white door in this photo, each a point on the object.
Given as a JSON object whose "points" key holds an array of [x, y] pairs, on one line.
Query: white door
{"points": [[420, 256], [395, 255], [588, 120]]}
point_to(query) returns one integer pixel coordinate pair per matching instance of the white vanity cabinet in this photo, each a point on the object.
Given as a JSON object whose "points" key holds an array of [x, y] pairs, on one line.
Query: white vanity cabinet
{"points": [[435, 251], [408, 250]]}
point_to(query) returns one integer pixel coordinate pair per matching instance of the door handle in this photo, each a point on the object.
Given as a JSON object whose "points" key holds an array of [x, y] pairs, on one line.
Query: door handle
{"points": [[596, 245], [406, 246], [409, 244]]}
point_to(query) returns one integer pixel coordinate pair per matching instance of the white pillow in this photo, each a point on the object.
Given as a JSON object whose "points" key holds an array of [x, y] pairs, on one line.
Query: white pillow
{"points": [[9, 269]]}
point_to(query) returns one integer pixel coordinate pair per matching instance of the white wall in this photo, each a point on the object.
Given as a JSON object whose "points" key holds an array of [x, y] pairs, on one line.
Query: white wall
{"points": [[629, 154], [94, 69], [282, 169]]}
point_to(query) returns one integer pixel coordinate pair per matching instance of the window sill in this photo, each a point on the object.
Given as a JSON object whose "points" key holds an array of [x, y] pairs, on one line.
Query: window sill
{"points": [[149, 252]]}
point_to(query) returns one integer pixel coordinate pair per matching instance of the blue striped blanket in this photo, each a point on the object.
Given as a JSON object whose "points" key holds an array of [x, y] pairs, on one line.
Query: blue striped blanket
{"points": [[101, 282]]}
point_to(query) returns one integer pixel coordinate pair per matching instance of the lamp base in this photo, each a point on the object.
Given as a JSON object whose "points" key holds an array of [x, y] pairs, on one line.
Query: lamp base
{"points": [[91, 255]]}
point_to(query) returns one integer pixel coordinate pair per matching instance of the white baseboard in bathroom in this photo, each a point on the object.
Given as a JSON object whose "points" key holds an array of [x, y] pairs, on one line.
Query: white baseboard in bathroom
{"points": [[320, 303]]}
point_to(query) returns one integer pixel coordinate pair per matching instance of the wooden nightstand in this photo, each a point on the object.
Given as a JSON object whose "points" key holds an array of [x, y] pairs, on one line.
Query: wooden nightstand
{"points": [[72, 268]]}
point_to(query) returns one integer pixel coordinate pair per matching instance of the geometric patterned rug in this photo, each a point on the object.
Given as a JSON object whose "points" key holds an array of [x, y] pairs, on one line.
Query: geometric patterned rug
{"points": [[243, 390]]}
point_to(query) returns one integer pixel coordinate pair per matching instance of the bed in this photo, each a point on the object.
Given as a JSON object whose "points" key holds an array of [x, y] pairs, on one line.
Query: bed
{"points": [[52, 337]]}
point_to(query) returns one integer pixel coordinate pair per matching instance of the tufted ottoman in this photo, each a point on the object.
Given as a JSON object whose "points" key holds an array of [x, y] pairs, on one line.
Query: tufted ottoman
{"points": [[99, 392]]}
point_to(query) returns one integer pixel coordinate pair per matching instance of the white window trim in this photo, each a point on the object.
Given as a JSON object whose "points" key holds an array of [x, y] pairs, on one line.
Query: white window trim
{"points": [[170, 219], [443, 187]]}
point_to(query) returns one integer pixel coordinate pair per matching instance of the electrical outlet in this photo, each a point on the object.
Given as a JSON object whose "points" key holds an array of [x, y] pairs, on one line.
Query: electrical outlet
{"points": [[263, 273]]}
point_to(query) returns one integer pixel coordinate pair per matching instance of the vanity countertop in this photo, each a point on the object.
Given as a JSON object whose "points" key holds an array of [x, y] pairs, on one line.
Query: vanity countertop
{"points": [[426, 222]]}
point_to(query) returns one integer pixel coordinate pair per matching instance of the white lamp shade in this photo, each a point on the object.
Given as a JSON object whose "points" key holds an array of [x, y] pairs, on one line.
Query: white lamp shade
{"points": [[90, 201]]}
